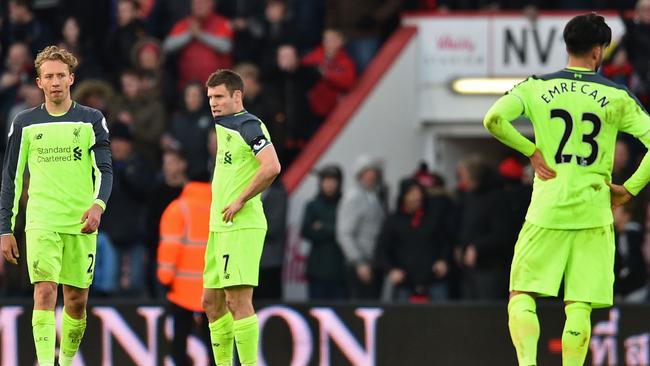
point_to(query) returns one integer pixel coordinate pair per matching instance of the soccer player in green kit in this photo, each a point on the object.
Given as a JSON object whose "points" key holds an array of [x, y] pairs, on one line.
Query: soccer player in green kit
{"points": [[65, 146], [568, 233], [246, 164]]}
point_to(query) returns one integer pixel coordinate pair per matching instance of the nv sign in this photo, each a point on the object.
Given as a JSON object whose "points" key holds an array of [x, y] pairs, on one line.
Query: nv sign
{"points": [[522, 47], [517, 47], [493, 45]]}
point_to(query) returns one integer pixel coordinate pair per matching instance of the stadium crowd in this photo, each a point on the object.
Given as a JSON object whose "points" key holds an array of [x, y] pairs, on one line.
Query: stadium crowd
{"points": [[144, 63]]}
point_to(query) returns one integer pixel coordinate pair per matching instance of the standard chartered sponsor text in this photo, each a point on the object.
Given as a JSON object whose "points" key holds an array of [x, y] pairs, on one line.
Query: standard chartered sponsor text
{"points": [[54, 154]]}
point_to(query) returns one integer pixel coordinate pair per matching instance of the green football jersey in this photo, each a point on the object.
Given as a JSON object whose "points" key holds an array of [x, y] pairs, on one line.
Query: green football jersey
{"points": [[69, 163], [576, 115], [240, 137]]}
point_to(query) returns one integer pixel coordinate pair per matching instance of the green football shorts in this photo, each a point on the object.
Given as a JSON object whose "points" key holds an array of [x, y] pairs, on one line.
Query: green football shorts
{"points": [[232, 258], [68, 259], [584, 258]]}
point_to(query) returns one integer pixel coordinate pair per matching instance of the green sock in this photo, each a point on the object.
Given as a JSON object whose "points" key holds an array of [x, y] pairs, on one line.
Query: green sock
{"points": [[524, 328], [44, 329], [576, 334], [247, 333], [72, 331], [221, 336]]}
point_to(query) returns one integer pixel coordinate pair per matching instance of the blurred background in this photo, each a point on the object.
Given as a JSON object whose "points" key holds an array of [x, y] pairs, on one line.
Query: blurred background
{"points": [[392, 193]]}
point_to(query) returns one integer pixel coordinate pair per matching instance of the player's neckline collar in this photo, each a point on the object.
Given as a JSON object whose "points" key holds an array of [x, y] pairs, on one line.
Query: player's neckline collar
{"points": [[581, 70], [218, 118], [72, 106]]}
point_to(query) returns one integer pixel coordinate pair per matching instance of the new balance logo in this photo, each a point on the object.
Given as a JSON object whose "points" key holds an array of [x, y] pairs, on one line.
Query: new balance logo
{"points": [[577, 76], [39, 136], [77, 153], [573, 332], [227, 159]]}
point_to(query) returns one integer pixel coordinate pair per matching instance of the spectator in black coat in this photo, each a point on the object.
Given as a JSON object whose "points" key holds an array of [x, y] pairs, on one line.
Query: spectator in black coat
{"points": [[277, 28], [516, 194], [164, 14], [631, 280], [123, 220], [486, 237], [25, 27], [293, 122], [71, 39], [636, 43], [167, 187], [414, 247], [189, 130], [119, 45], [17, 71], [246, 18], [325, 264], [275, 203], [256, 97]]}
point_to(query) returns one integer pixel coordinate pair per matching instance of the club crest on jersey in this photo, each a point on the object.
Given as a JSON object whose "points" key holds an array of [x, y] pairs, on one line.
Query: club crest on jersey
{"points": [[75, 135]]}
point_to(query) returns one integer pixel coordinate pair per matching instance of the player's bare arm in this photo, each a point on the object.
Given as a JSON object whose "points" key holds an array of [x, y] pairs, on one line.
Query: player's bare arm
{"points": [[498, 121], [92, 218], [620, 194], [543, 171], [266, 174], [10, 248]]}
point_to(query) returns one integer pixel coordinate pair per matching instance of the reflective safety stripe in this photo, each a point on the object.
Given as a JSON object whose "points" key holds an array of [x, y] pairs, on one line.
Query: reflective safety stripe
{"points": [[194, 243], [172, 238], [185, 208], [166, 266], [183, 240], [186, 274]]}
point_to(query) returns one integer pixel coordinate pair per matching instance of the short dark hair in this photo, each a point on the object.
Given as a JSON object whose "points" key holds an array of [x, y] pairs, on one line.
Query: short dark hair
{"points": [[177, 152], [229, 78], [22, 3], [586, 31], [134, 3], [136, 73]]}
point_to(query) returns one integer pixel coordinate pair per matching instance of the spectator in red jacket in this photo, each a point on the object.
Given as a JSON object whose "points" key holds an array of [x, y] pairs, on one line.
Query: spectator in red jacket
{"points": [[203, 41], [337, 70]]}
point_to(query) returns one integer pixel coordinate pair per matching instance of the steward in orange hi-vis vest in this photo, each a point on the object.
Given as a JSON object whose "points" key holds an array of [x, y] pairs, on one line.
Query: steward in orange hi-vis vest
{"points": [[184, 229]]}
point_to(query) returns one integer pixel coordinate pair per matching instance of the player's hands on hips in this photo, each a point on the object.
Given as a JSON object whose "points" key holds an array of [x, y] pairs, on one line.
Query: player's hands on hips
{"points": [[543, 171], [364, 272], [10, 248], [620, 194], [92, 218], [232, 209], [396, 276]]}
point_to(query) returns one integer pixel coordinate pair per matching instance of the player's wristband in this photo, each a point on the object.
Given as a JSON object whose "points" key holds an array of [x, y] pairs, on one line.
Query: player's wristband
{"points": [[100, 203]]}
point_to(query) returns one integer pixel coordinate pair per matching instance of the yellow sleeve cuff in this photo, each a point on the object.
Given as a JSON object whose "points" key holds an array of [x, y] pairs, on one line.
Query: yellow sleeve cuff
{"points": [[101, 204]]}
